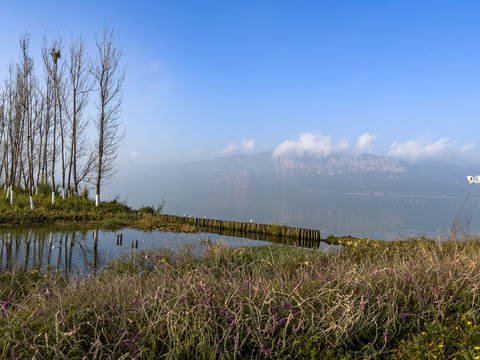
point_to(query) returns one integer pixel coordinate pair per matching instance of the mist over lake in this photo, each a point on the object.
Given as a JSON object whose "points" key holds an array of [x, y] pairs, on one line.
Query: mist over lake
{"points": [[376, 215], [341, 194]]}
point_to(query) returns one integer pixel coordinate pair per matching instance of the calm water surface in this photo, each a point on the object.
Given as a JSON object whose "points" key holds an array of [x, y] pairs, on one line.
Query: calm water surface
{"points": [[381, 216], [85, 252], [375, 215]]}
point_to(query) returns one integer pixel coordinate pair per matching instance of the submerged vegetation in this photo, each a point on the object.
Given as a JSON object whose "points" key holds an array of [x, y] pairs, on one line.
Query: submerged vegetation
{"points": [[413, 299]]}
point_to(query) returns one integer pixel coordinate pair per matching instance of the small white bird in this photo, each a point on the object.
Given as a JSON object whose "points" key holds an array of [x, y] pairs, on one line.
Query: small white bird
{"points": [[251, 220]]}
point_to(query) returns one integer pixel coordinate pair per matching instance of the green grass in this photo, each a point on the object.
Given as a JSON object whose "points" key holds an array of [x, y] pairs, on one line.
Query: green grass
{"points": [[414, 299], [81, 211]]}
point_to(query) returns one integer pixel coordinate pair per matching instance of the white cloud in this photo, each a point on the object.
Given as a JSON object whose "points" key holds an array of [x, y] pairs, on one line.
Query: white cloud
{"points": [[247, 145], [442, 149], [420, 149], [229, 149], [364, 142], [310, 144]]}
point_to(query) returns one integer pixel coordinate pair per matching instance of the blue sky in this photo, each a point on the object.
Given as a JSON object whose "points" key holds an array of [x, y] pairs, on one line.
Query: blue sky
{"points": [[213, 78]]}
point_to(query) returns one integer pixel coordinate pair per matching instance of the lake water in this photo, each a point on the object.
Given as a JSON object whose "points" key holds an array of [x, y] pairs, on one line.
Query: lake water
{"points": [[381, 216], [88, 251], [375, 215]]}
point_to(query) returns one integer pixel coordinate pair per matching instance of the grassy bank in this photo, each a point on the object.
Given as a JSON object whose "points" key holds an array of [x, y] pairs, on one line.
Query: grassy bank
{"points": [[81, 211], [416, 299]]}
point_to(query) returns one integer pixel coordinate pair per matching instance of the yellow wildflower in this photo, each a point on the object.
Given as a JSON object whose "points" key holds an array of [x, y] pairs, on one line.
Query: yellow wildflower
{"points": [[477, 347], [440, 346], [469, 323]]}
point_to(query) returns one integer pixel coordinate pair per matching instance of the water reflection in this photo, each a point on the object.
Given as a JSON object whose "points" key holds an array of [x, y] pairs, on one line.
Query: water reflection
{"points": [[84, 252]]}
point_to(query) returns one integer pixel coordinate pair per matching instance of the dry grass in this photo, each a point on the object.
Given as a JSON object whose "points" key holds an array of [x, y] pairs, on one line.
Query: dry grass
{"points": [[407, 299]]}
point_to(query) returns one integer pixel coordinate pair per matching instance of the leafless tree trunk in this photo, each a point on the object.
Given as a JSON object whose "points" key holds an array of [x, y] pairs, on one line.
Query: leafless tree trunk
{"points": [[26, 93], [50, 58], [16, 127], [109, 77], [61, 101], [80, 85], [40, 130], [2, 133], [5, 143], [46, 129]]}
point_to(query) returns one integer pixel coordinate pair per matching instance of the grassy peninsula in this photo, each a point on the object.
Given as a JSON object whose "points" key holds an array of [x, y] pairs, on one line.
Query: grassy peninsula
{"points": [[81, 211]]}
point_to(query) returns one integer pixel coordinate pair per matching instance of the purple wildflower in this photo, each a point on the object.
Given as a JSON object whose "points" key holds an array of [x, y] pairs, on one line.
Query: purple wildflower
{"points": [[137, 335], [265, 351], [224, 311], [135, 300], [132, 342], [135, 353], [404, 315]]}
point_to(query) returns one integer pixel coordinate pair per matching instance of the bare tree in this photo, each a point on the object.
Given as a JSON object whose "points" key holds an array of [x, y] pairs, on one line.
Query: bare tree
{"points": [[80, 85], [54, 80], [45, 126], [41, 125], [15, 127], [7, 102], [28, 99], [3, 147], [109, 78]]}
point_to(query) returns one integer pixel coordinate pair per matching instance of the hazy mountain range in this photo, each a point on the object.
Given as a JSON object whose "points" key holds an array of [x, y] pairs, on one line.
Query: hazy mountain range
{"points": [[336, 172]]}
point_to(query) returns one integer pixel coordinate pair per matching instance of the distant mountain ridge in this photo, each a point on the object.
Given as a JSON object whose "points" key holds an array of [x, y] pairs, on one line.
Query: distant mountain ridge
{"points": [[335, 172], [338, 164]]}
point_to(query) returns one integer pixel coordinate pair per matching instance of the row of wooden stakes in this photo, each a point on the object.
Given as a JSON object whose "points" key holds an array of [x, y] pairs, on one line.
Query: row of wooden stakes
{"points": [[245, 228]]}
